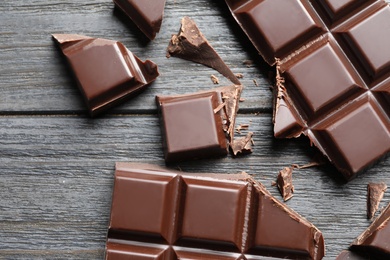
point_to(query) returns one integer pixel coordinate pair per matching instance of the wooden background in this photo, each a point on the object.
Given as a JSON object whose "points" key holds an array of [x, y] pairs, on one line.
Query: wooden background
{"points": [[57, 164]]}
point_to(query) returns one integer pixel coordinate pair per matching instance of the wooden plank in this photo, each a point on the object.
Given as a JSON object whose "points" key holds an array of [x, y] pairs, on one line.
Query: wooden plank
{"points": [[57, 175], [35, 76]]}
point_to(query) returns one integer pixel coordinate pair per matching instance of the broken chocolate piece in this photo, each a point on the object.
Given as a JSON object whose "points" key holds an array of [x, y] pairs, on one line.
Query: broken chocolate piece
{"points": [[190, 44], [203, 216], [348, 255], [242, 145], [373, 243], [146, 14], [284, 182], [336, 81], [375, 193], [198, 125], [106, 71]]}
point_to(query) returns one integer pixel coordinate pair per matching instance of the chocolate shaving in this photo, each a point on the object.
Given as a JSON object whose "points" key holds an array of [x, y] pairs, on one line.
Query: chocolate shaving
{"points": [[284, 183], [375, 192], [190, 44], [242, 145], [214, 79], [239, 75]]}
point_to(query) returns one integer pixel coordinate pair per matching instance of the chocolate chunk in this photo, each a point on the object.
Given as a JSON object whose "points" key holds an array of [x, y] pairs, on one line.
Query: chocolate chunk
{"points": [[373, 243], [158, 213], [242, 145], [332, 83], [348, 255], [190, 44], [284, 182], [375, 193], [198, 125], [214, 79], [146, 14], [106, 71]]}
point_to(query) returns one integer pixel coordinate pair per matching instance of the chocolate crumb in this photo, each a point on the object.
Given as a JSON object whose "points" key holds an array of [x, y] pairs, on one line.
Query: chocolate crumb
{"points": [[241, 99], [248, 63], [375, 193], [284, 182], [214, 79], [239, 75], [256, 84], [242, 145], [242, 127]]}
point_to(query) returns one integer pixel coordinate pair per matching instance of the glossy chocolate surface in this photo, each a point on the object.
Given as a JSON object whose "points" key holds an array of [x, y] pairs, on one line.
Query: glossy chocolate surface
{"points": [[164, 214], [198, 125], [333, 67], [146, 14], [105, 70]]}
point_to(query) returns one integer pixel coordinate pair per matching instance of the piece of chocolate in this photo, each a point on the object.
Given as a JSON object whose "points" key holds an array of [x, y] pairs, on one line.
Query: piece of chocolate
{"points": [[106, 71], [190, 44], [375, 193], [348, 255], [242, 145], [333, 79], [199, 125], [146, 14], [373, 243], [158, 213], [284, 183]]}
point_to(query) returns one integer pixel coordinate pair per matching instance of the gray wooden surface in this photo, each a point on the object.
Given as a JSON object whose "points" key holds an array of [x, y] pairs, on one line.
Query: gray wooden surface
{"points": [[57, 165]]}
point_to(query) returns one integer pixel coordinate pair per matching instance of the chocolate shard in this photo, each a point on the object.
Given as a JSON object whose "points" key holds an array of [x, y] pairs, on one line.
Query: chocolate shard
{"points": [[332, 83], [284, 183], [146, 14], [203, 216], [190, 44], [373, 243], [375, 193], [198, 125], [107, 73], [242, 145]]}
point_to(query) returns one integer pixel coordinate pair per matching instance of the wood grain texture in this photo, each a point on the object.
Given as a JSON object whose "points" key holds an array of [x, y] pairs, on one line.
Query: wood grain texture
{"points": [[57, 165]]}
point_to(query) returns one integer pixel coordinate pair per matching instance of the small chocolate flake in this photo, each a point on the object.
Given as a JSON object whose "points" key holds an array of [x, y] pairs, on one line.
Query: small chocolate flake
{"points": [[242, 145], [375, 192], [256, 84], [241, 99], [284, 182], [248, 63], [214, 79], [239, 75]]}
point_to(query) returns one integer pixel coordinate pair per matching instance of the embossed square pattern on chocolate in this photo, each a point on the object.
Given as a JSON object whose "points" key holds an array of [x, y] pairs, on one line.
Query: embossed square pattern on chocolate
{"points": [[333, 61], [158, 213]]}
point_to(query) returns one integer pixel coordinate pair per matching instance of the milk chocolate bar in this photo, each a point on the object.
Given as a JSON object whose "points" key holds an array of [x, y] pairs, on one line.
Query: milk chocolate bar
{"points": [[106, 71], [333, 73], [158, 213], [199, 125]]}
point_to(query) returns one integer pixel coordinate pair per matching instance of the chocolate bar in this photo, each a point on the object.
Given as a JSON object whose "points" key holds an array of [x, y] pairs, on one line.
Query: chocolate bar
{"points": [[190, 44], [106, 71], [158, 213], [333, 73], [373, 243], [198, 125], [146, 14]]}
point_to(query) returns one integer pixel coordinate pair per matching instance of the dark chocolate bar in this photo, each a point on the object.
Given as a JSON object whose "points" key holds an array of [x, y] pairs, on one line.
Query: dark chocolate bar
{"points": [[190, 44], [333, 67], [198, 125], [146, 14], [158, 213], [106, 71], [374, 242]]}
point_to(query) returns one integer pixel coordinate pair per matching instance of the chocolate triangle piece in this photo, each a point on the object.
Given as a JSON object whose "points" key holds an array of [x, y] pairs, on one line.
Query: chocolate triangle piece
{"points": [[203, 216], [284, 183], [375, 193], [190, 44], [106, 71], [374, 242], [146, 14]]}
